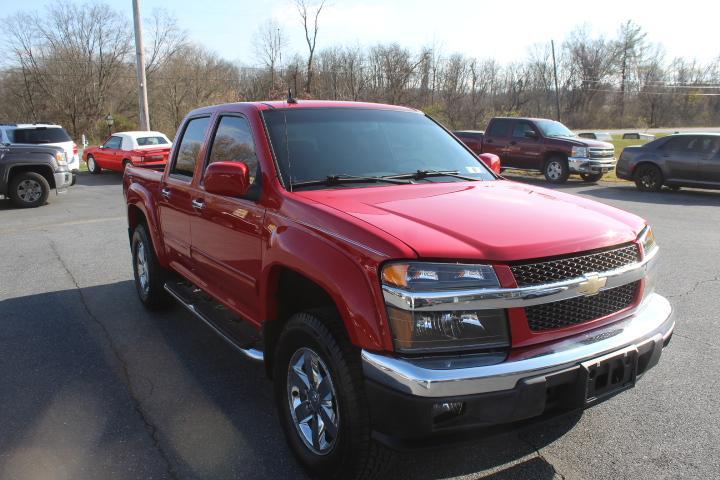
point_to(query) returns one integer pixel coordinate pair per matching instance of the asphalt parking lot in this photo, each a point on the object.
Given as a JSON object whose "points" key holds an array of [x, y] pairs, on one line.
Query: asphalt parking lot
{"points": [[92, 386]]}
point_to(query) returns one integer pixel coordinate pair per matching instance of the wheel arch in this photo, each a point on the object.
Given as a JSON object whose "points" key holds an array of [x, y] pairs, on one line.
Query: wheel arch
{"points": [[140, 210], [43, 170]]}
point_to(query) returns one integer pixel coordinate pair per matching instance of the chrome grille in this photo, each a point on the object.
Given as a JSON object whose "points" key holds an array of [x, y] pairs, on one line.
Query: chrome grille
{"points": [[601, 152], [574, 311], [560, 269]]}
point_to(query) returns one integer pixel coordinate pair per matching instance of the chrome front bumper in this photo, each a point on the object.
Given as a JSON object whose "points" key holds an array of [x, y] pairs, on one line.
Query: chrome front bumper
{"points": [[589, 165], [62, 181], [651, 322]]}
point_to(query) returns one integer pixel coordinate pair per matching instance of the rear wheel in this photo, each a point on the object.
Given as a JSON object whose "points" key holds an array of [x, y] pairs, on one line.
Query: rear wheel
{"points": [[320, 397], [29, 190], [591, 177], [648, 178], [556, 170], [93, 167], [150, 277]]}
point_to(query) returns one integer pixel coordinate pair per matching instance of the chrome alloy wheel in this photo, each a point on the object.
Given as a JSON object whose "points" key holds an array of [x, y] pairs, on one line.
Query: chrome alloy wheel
{"points": [[141, 267], [312, 401], [554, 170], [29, 191]]}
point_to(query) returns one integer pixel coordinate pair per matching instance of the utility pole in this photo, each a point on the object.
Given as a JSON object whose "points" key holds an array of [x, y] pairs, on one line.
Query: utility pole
{"points": [[557, 92], [140, 64]]}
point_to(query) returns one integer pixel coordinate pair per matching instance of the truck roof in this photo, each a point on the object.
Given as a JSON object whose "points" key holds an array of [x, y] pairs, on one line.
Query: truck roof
{"points": [[283, 104]]}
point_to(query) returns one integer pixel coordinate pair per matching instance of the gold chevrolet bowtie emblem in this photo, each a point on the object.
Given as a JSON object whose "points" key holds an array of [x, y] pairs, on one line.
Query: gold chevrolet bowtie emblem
{"points": [[592, 284]]}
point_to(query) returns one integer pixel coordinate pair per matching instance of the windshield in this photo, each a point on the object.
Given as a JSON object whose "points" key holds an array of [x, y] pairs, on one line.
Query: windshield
{"points": [[551, 128], [39, 135], [317, 143]]}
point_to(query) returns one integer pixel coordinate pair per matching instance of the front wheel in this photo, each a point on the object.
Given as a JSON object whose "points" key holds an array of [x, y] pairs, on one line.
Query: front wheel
{"points": [[648, 178], [591, 177], [29, 190], [149, 275], [556, 170], [93, 167], [319, 394]]}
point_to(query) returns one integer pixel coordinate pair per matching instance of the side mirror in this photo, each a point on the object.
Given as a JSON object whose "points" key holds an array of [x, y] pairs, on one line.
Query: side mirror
{"points": [[231, 179], [529, 134]]}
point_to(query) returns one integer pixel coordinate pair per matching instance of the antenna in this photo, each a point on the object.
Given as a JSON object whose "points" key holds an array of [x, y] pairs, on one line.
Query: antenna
{"points": [[290, 98]]}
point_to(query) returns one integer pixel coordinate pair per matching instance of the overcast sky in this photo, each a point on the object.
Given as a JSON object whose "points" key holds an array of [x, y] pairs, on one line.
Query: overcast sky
{"points": [[500, 29]]}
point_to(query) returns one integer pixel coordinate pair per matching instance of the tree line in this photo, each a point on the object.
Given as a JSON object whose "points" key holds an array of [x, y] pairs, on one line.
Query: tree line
{"points": [[73, 64]]}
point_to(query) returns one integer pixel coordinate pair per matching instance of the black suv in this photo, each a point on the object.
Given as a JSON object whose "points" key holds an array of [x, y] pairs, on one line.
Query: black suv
{"points": [[29, 172]]}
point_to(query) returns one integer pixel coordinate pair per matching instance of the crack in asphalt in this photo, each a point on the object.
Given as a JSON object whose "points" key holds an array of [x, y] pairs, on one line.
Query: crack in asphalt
{"points": [[695, 287], [703, 342], [149, 426]]}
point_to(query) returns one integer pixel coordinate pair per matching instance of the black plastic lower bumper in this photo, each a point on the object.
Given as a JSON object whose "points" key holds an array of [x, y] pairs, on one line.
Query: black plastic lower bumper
{"points": [[402, 419]]}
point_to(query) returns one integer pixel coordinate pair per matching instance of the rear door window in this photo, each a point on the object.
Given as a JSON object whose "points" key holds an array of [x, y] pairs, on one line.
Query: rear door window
{"points": [[677, 144], [190, 145], [500, 128], [39, 135]]}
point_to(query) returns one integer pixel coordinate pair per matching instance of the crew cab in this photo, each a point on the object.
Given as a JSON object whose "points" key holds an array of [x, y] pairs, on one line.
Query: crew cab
{"points": [[125, 148], [29, 172], [547, 146], [396, 289]]}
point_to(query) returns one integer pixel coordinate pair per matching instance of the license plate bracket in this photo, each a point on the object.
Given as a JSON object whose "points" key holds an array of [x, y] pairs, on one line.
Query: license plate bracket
{"points": [[609, 375]]}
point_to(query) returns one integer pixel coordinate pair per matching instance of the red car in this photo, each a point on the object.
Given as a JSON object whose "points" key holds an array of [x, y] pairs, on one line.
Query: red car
{"points": [[473, 140], [126, 148], [396, 289]]}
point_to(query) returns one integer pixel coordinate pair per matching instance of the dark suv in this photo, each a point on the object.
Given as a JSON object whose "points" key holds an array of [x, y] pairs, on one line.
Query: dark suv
{"points": [[690, 160]]}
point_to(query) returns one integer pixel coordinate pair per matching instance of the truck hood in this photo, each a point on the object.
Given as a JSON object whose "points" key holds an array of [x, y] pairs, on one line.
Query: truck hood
{"points": [[494, 220], [583, 142]]}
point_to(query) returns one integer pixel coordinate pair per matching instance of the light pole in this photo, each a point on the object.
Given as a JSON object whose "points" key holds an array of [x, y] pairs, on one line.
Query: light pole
{"points": [[109, 120]]}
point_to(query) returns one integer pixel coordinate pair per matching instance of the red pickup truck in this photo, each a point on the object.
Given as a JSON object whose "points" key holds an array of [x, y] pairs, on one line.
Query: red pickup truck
{"points": [[396, 289], [544, 145]]}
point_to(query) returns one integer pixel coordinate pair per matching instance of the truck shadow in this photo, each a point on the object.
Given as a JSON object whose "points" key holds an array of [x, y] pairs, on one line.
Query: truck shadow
{"points": [[106, 177], [211, 411]]}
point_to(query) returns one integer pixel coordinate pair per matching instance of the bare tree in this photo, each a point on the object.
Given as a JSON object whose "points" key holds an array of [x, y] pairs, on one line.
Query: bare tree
{"points": [[630, 46], [309, 16], [268, 44]]}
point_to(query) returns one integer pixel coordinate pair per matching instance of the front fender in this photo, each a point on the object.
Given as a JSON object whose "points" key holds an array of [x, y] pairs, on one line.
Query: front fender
{"points": [[344, 271], [140, 197]]}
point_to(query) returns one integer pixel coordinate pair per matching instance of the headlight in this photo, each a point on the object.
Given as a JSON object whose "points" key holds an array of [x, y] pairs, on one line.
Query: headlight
{"points": [[579, 152], [647, 240], [417, 331]]}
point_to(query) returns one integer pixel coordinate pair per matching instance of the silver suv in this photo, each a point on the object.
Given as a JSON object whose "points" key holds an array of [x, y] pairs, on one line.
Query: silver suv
{"points": [[43, 134]]}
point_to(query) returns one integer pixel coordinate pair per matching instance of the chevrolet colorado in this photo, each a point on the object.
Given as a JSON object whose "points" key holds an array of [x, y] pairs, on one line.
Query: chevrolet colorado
{"points": [[395, 288]]}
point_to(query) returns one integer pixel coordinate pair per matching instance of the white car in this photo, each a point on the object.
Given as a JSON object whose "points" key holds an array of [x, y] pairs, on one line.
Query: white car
{"points": [[42, 134]]}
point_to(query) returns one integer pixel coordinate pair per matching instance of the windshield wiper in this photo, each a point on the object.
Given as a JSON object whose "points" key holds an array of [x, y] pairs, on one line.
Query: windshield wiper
{"points": [[332, 180], [420, 174]]}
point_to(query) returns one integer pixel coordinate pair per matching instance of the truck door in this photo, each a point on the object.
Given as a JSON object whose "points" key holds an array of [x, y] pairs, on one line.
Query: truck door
{"points": [[497, 138], [227, 231], [177, 192], [525, 147]]}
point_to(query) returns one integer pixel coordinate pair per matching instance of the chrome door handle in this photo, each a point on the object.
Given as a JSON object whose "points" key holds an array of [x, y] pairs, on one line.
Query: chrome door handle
{"points": [[165, 192], [199, 204]]}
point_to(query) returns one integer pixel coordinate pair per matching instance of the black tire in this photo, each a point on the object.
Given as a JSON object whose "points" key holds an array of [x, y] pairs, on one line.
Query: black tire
{"points": [[29, 190], [150, 288], [591, 177], [648, 178], [556, 169], [673, 188], [353, 454], [74, 179], [93, 167]]}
